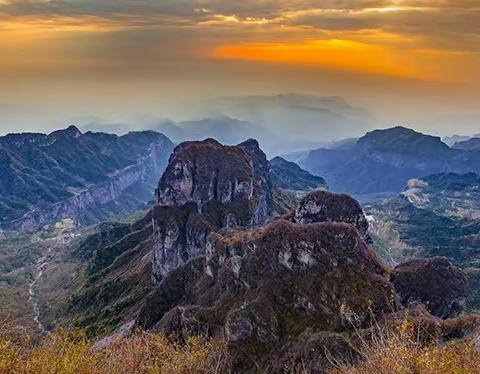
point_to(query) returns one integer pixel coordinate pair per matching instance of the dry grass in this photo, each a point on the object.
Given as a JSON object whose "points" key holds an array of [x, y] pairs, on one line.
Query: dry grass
{"points": [[72, 353], [401, 351]]}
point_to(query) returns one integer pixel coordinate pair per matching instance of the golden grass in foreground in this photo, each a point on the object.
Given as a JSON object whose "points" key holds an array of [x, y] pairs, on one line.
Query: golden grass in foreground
{"points": [[65, 353], [401, 352]]}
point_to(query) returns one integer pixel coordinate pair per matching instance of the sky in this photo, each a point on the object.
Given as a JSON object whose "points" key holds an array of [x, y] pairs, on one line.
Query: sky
{"points": [[411, 62]]}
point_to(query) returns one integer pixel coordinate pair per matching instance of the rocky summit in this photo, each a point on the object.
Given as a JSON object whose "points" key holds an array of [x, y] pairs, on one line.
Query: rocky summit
{"points": [[207, 186], [322, 206], [308, 278]]}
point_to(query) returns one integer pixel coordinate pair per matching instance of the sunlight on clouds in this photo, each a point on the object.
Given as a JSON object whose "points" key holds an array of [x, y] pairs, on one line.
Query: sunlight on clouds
{"points": [[222, 19], [421, 39], [38, 25], [333, 53]]}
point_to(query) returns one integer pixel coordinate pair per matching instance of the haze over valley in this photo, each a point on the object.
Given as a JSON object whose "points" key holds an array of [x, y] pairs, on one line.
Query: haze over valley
{"points": [[284, 187]]}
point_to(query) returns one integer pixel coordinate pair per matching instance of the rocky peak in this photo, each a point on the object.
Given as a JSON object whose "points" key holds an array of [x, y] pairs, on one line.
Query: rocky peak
{"points": [[207, 186], [402, 139], [204, 171], [71, 131], [324, 206], [261, 174], [264, 288]]}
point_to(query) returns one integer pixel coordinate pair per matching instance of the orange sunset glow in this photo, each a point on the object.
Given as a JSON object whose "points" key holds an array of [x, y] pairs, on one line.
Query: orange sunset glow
{"points": [[225, 48]]}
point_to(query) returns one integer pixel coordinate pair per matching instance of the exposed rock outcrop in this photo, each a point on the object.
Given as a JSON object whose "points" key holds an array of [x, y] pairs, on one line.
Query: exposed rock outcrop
{"points": [[324, 206], [269, 289], [207, 186], [280, 293], [435, 282]]}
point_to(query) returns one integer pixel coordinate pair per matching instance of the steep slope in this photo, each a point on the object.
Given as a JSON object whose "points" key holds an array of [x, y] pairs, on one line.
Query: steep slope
{"points": [[205, 187], [384, 160], [307, 277], [269, 288], [86, 177], [288, 175]]}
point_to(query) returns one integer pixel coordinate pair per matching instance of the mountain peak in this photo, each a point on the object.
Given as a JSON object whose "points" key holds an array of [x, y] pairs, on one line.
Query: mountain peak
{"points": [[71, 131], [250, 143], [400, 138]]}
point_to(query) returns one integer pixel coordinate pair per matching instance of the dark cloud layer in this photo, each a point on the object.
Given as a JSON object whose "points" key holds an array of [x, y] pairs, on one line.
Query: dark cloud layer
{"points": [[79, 57], [447, 24]]}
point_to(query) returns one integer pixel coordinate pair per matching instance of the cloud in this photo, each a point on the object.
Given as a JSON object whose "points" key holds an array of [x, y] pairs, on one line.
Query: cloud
{"points": [[95, 53], [448, 24]]}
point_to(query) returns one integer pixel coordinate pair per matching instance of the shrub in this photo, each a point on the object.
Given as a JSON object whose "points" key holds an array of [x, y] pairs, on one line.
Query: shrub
{"points": [[401, 351], [65, 352]]}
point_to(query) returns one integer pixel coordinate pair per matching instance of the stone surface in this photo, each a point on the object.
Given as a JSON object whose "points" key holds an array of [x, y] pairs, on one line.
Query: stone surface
{"points": [[207, 186], [263, 288], [324, 206]]}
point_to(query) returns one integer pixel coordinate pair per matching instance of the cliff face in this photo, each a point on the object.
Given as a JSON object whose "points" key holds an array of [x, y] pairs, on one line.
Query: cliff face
{"points": [[85, 177], [207, 186], [280, 292], [305, 282], [276, 284]]}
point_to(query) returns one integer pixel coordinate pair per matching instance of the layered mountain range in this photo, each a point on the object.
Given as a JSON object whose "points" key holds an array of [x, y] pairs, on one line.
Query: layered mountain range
{"points": [[256, 253], [437, 215], [384, 161], [86, 177], [210, 258], [472, 144]]}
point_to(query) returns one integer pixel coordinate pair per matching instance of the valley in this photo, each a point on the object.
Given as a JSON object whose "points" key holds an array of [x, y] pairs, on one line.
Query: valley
{"points": [[256, 253]]}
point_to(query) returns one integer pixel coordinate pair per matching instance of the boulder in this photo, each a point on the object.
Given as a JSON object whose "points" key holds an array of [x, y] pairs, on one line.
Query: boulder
{"points": [[324, 206], [434, 282]]}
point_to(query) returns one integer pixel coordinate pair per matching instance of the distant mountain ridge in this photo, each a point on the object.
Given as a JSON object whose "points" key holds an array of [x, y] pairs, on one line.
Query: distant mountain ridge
{"points": [[451, 140], [66, 173], [438, 215], [289, 176], [384, 160], [472, 144]]}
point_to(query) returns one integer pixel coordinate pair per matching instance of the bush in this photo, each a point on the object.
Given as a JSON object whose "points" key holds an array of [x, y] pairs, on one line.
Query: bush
{"points": [[72, 353], [401, 351]]}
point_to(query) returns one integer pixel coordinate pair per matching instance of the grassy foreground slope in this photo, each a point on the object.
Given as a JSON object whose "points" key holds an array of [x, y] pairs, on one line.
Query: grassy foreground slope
{"points": [[73, 353]]}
